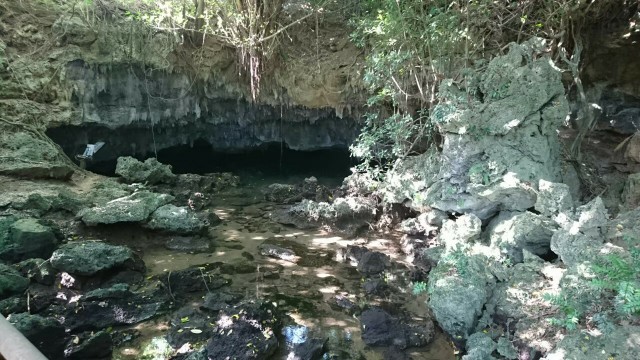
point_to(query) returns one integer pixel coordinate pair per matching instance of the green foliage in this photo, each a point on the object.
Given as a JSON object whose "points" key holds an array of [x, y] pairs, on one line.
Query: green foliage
{"points": [[412, 45], [458, 260], [383, 140], [568, 309], [613, 293], [419, 287], [621, 277]]}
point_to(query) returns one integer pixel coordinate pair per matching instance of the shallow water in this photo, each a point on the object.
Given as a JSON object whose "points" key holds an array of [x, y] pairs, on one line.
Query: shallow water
{"points": [[303, 289]]}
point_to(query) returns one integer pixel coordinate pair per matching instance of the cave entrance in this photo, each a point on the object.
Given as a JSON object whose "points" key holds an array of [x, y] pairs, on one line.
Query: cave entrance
{"points": [[269, 161]]}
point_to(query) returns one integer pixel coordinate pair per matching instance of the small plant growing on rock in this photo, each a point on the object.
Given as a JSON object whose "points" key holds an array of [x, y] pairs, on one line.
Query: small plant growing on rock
{"points": [[568, 308], [419, 287], [619, 277]]}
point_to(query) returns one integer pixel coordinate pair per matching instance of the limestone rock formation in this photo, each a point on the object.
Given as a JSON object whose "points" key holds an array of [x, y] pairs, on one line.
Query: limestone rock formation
{"points": [[132, 208], [26, 238], [459, 287], [512, 232], [180, 220], [11, 282], [90, 257], [496, 147], [581, 236], [345, 215], [28, 155], [151, 171]]}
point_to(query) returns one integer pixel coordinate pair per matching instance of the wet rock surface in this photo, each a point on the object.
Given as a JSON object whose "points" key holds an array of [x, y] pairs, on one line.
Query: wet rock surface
{"points": [[344, 216], [96, 290], [91, 257], [24, 239], [132, 208], [180, 220], [151, 171], [11, 281], [381, 329], [47, 334]]}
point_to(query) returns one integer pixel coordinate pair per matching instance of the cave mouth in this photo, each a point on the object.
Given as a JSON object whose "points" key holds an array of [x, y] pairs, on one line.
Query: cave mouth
{"points": [[270, 160]]}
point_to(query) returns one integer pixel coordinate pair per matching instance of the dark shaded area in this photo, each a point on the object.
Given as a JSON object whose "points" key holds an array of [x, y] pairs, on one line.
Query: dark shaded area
{"points": [[271, 159], [268, 160]]}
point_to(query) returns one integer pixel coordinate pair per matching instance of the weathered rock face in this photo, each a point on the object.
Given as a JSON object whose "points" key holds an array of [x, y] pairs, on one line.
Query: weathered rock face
{"points": [[26, 238], [345, 215], [459, 287], [133, 208], [11, 282], [150, 171], [129, 111], [91, 257], [180, 220], [497, 146], [27, 154], [581, 236], [512, 232]]}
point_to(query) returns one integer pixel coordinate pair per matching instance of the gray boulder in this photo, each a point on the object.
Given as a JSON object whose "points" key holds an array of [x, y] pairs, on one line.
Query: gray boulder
{"points": [[345, 215], [512, 232], [459, 287], [621, 344], [581, 237], [132, 208], [283, 193], [46, 334], [460, 232], [27, 238], [151, 171], [90, 257], [180, 220], [26, 154], [372, 263], [379, 328], [11, 282], [432, 217], [496, 147], [479, 347], [553, 198]]}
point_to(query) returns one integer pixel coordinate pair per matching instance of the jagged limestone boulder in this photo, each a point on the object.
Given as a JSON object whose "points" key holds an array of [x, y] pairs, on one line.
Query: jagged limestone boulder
{"points": [[512, 232], [580, 238], [132, 208], [623, 343], [27, 238], [496, 146], [346, 215], [11, 282], [459, 287], [553, 198], [29, 155], [90, 257], [479, 347], [151, 171], [460, 232], [180, 220], [283, 193]]}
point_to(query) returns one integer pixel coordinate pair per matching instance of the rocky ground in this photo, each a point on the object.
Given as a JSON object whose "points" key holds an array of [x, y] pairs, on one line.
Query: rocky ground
{"points": [[155, 265]]}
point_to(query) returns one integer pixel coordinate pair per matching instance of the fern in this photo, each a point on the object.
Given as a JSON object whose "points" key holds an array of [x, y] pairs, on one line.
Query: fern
{"points": [[567, 307]]}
